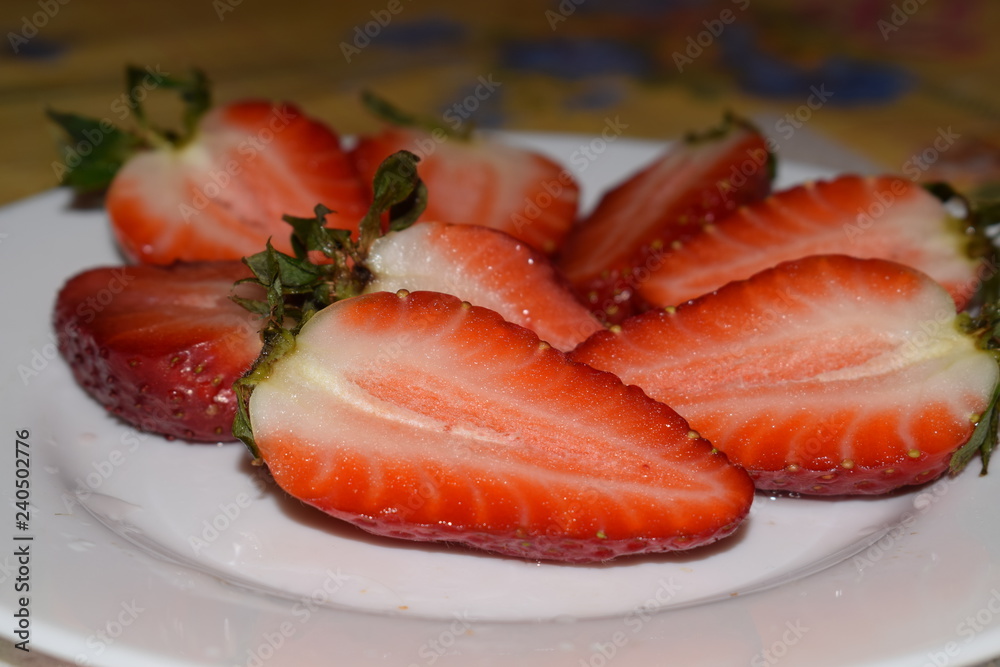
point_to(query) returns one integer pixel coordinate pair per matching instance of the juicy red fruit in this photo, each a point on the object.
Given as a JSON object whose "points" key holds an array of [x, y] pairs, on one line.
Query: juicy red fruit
{"points": [[159, 347], [695, 181], [221, 195], [826, 375], [479, 181], [883, 216], [417, 416]]}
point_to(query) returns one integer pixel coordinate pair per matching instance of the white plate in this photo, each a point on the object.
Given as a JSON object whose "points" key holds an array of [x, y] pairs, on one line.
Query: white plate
{"points": [[158, 553]]}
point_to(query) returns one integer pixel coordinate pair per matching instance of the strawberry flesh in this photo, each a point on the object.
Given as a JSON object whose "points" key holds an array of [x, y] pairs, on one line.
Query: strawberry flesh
{"points": [[160, 347], [693, 182], [485, 267], [826, 375], [885, 217], [222, 195], [418, 416], [482, 182]]}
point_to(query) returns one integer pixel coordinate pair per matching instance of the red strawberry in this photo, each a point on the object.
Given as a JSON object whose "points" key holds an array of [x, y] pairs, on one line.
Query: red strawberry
{"points": [[885, 217], [480, 181], [418, 416], [160, 347], [826, 375], [485, 267], [219, 190], [694, 182]]}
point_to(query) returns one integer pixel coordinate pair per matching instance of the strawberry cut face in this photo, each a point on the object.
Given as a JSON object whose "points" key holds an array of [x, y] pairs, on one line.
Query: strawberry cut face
{"points": [[884, 217], [420, 417], [485, 267], [826, 375], [222, 195]]}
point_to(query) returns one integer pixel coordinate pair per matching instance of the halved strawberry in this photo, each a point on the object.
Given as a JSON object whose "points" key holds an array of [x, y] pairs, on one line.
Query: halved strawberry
{"points": [[825, 375], [485, 267], [695, 181], [217, 190], [474, 180], [160, 347], [884, 216], [418, 416]]}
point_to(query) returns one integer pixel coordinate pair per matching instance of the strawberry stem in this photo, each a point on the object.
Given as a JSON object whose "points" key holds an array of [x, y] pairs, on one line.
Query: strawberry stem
{"points": [[297, 287], [94, 149]]}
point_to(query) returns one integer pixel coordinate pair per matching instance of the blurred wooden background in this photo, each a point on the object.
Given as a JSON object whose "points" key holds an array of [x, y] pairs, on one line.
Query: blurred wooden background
{"points": [[886, 79]]}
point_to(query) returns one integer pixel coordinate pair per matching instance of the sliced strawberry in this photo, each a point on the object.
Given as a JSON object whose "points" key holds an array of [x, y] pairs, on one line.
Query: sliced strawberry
{"points": [[695, 181], [480, 265], [218, 191], [885, 217], [825, 375], [480, 181], [487, 268], [160, 347], [418, 416]]}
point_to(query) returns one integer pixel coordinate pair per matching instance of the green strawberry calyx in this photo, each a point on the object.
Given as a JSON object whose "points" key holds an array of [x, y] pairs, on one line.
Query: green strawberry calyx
{"points": [[94, 149], [299, 285]]}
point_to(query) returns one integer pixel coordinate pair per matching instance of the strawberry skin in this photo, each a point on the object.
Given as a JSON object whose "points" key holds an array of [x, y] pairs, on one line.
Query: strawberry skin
{"points": [[222, 194], [418, 416], [885, 217], [487, 268], [160, 347], [695, 181], [825, 375], [482, 182]]}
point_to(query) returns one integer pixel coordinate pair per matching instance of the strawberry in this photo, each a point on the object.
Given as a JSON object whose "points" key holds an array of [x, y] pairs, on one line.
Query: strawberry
{"points": [[825, 375], [484, 266], [418, 416], [477, 180], [217, 190], [884, 216], [160, 347], [694, 182]]}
